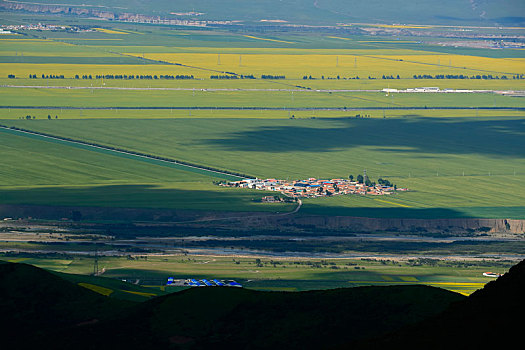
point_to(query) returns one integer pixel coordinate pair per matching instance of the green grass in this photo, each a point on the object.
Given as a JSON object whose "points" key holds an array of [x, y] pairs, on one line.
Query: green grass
{"points": [[47, 173], [462, 163], [206, 83], [466, 167], [296, 275], [114, 98]]}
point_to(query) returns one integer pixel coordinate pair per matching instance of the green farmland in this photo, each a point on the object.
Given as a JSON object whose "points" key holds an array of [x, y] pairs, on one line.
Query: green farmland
{"points": [[464, 162], [448, 163], [40, 172], [291, 274], [332, 173]]}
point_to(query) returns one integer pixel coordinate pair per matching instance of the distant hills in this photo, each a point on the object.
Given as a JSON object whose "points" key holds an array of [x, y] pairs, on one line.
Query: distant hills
{"points": [[306, 12], [42, 309]]}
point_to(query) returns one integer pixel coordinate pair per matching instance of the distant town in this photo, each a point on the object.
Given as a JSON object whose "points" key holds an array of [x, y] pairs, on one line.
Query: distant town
{"points": [[313, 187]]}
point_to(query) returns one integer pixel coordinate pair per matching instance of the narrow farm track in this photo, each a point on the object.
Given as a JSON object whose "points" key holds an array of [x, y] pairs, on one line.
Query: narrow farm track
{"points": [[327, 108], [181, 89], [299, 205], [217, 173], [503, 92]]}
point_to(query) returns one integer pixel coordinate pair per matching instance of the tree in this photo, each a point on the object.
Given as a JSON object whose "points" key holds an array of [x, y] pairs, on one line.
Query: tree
{"points": [[351, 177], [360, 179]]}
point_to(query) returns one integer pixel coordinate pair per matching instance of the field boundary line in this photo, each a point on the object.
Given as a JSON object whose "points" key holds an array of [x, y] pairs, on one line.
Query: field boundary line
{"points": [[123, 151], [208, 108]]}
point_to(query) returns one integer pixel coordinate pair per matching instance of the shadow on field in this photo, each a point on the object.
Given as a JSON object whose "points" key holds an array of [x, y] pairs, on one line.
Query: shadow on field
{"points": [[392, 212], [138, 196], [421, 135], [148, 202]]}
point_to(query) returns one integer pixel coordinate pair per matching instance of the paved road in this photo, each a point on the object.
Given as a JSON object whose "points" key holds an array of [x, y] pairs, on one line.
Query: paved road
{"points": [[176, 89], [503, 92], [233, 108]]}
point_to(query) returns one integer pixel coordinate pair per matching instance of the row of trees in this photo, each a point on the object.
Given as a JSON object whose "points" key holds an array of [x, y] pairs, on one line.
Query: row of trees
{"points": [[137, 77], [248, 76], [361, 179], [459, 76], [29, 117], [269, 76], [227, 77], [176, 77], [44, 76], [309, 77], [111, 76]]}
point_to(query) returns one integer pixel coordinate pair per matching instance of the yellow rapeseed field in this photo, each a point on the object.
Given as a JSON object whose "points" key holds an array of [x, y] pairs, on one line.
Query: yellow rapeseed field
{"points": [[266, 39], [143, 294], [96, 289], [110, 31], [330, 65]]}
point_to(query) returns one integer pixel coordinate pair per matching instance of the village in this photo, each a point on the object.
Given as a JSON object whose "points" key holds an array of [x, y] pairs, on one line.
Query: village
{"points": [[313, 187]]}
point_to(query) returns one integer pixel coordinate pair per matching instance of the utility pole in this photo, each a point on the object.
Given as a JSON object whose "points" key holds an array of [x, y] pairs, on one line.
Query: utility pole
{"points": [[95, 263]]}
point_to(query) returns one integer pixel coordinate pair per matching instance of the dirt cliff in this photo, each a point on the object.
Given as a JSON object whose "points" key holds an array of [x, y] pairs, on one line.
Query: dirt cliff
{"points": [[238, 221]]}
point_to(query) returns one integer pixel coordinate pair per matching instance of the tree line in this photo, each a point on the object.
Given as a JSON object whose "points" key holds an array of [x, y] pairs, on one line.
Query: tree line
{"points": [[137, 77], [46, 76], [235, 76], [269, 76], [362, 180], [460, 76]]}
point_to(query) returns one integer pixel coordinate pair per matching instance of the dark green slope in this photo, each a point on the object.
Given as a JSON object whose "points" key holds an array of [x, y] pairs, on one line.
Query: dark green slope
{"points": [[36, 304], [42, 309], [201, 318], [491, 316]]}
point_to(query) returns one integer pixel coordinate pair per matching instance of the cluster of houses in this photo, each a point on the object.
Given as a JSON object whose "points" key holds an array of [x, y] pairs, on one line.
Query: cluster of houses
{"points": [[313, 187]]}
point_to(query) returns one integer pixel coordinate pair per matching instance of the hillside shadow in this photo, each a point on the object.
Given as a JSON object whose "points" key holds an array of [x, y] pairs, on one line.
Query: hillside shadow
{"points": [[140, 202], [393, 212], [415, 135]]}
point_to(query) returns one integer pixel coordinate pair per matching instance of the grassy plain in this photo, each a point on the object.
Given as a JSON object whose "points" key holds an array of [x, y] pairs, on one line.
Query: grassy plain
{"points": [[97, 98], [447, 162], [450, 159], [292, 274], [38, 172]]}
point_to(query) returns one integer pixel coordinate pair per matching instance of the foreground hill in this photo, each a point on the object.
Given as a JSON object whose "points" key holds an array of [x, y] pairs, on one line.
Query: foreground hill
{"points": [[37, 304], [46, 310], [490, 316]]}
